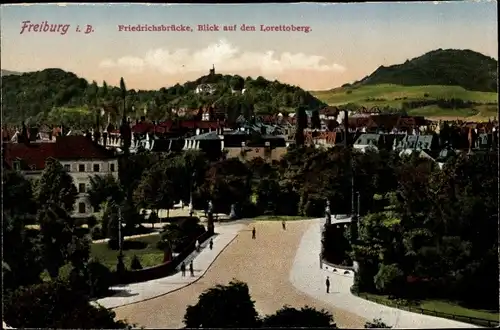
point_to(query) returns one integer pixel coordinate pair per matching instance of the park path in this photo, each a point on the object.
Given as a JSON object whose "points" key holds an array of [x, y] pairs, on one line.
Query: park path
{"points": [[264, 264], [137, 292], [307, 276]]}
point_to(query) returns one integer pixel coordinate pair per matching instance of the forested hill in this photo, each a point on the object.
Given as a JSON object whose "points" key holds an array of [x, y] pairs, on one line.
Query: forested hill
{"points": [[40, 96], [466, 68]]}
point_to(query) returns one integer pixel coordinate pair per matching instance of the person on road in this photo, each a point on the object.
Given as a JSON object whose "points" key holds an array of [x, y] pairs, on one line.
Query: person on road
{"points": [[211, 244], [183, 269], [283, 224], [191, 270], [327, 284], [253, 233]]}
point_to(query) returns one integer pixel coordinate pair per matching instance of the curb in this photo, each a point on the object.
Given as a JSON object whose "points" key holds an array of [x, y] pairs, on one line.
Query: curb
{"points": [[125, 238], [179, 288]]}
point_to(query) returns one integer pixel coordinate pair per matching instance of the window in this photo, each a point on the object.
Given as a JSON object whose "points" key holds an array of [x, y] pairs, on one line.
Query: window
{"points": [[96, 167], [67, 167], [112, 167], [17, 165], [82, 208], [81, 187], [81, 167]]}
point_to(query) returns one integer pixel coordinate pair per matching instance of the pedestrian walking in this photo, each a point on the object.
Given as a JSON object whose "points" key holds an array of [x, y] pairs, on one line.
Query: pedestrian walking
{"points": [[327, 284], [211, 244], [183, 269], [283, 224], [191, 270], [253, 233]]}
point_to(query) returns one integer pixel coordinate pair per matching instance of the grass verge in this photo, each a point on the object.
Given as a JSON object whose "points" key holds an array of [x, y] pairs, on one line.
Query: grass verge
{"points": [[144, 248], [436, 307], [280, 218]]}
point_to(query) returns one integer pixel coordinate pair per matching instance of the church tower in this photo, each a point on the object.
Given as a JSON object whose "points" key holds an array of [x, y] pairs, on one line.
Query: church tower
{"points": [[212, 70]]}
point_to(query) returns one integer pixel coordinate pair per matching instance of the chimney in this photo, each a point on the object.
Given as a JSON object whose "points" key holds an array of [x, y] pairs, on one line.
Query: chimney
{"points": [[346, 129]]}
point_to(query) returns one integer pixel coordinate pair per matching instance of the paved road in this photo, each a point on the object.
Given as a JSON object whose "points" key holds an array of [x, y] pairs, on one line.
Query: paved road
{"points": [[307, 276], [280, 268], [264, 264]]}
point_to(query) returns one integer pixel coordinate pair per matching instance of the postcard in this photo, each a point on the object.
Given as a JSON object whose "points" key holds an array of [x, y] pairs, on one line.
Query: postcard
{"points": [[246, 165]]}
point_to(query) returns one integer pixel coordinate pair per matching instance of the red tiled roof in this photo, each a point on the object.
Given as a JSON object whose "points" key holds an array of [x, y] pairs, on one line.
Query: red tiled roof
{"points": [[34, 155]]}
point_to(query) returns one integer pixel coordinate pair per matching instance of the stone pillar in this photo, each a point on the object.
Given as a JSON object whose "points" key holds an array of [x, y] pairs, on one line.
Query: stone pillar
{"points": [[210, 222]]}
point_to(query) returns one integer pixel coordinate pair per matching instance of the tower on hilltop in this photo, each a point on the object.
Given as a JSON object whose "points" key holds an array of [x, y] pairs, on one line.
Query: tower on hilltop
{"points": [[212, 70]]}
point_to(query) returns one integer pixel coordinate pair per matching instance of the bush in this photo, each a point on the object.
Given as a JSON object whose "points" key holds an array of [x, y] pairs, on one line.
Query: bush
{"points": [[113, 244], [305, 317], [55, 305], [100, 278], [377, 324], [135, 264], [96, 233], [91, 221], [389, 279]]}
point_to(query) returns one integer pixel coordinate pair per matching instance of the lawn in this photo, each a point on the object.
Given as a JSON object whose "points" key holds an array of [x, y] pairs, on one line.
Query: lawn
{"points": [[143, 247], [441, 306], [435, 111], [280, 218], [390, 93]]}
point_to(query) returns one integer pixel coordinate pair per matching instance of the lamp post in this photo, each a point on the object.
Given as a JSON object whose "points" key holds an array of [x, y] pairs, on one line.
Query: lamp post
{"points": [[120, 267], [191, 182]]}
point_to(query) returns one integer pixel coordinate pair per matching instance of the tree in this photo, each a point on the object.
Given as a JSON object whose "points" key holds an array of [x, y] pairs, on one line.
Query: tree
{"points": [[56, 187], [104, 188], [304, 317], [228, 182], [23, 255], [300, 125], [57, 195], [55, 305], [18, 195], [228, 306], [156, 189], [57, 238], [315, 120], [237, 83]]}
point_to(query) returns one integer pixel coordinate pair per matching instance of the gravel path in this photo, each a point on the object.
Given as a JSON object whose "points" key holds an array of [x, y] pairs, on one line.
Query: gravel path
{"points": [[264, 264]]}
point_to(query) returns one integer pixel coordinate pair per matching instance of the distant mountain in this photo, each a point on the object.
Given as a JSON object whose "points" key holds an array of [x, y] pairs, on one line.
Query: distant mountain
{"points": [[452, 67], [10, 73], [38, 96]]}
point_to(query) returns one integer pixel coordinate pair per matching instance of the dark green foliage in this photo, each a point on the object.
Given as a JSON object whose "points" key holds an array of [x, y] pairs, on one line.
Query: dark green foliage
{"points": [[300, 125], [227, 182], [466, 68], [438, 235], [315, 120], [223, 306], [56, 187], [99, 278], [135, 264], [376, 324], [51, 88], [55, 305], [289, 317], [180, 234]]}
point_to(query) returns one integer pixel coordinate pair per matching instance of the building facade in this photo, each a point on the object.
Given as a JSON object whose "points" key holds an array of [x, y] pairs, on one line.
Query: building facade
{"points": [[81, 158]]}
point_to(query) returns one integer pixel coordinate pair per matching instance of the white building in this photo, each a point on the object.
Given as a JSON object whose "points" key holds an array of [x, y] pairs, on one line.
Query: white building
{"points": [[81, 157]]}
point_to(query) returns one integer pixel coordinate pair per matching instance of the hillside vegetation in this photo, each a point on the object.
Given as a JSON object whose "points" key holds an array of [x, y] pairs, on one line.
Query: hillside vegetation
{"points": [[451, 67], [441, 83], [42, 96]]}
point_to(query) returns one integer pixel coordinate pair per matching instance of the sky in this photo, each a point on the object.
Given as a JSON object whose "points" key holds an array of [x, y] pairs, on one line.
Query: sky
{"points": [[331, 44]]}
